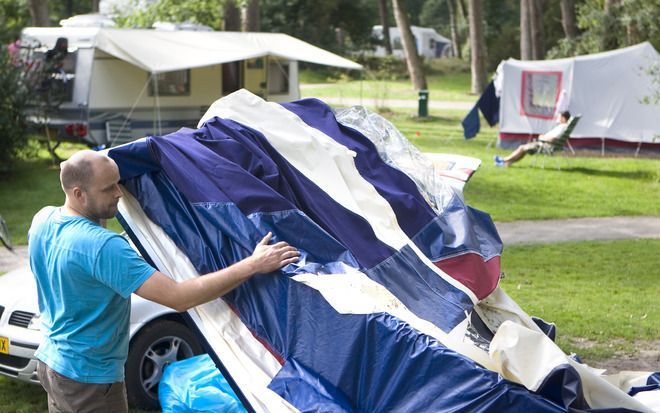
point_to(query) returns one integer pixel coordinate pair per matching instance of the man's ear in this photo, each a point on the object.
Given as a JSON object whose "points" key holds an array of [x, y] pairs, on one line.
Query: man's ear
{"points": [[77, 193]]}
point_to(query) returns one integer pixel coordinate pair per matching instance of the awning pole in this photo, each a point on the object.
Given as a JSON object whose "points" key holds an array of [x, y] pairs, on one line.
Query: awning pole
{"points": [[157, 102]]}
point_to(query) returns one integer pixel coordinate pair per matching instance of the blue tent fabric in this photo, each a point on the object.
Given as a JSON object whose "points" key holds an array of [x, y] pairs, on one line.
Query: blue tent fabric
{"points": [[471, 124], [489, 104], [217, 190], [459, 230]]}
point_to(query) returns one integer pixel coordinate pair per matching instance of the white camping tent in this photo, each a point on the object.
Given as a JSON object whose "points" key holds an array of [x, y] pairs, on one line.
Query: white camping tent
{"points": [[607, 89]]}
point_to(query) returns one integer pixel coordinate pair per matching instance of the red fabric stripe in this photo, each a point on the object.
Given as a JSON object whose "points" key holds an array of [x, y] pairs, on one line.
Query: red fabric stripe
{"points": [[470, 269], [587, 141]]}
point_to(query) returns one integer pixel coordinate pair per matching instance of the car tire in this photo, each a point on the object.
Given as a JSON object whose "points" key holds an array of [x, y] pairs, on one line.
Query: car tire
{"points": [[158, 344]]}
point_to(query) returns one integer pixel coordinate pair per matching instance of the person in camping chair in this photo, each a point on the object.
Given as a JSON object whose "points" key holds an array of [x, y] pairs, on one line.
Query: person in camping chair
{"points": [[536, 146]]}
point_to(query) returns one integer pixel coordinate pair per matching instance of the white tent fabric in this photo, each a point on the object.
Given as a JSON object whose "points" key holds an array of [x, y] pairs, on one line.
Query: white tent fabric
{"points": [[607, 89], [189, 49]]}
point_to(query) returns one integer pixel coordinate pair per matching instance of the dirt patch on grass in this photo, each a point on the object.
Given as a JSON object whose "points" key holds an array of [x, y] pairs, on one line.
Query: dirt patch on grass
{"points": [[645, 357]]}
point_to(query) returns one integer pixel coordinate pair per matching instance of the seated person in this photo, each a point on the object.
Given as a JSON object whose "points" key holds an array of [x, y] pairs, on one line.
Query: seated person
{"points": [[544, 140]]}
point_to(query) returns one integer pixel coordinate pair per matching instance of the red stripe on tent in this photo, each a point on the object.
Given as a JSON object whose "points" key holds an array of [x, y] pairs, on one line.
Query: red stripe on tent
{"points": [[470, 269], [263, 342], [584, 142]]}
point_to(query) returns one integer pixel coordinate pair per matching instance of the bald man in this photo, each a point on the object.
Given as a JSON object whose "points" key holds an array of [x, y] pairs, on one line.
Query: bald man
{"points": [[85, 276]]}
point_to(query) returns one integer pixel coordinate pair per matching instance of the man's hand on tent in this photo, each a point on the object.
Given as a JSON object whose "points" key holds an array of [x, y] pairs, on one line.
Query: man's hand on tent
{"points": [[184, 295], [267, 257]]}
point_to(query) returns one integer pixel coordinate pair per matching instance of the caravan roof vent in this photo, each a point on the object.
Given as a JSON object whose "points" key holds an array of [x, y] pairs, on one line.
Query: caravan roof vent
{"points": [[88, 20], [170, 27]]}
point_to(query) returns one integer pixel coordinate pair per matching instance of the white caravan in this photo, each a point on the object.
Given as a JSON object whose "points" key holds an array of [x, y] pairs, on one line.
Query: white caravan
{"points": [[122, 84]]}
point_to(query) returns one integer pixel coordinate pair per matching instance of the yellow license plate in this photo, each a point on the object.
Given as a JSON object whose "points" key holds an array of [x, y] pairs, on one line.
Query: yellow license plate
{"points": [[4, 345]]}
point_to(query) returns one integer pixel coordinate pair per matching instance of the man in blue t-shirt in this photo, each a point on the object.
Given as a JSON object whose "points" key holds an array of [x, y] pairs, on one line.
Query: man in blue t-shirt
{"points": [[85, 276]]}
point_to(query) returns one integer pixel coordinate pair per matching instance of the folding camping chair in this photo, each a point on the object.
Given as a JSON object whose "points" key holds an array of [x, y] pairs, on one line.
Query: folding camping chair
{"points": [[558, 144]]}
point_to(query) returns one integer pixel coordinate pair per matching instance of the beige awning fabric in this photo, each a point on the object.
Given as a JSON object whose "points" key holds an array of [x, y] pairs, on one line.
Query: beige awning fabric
{"points": [[159, 51], [162, 51]]}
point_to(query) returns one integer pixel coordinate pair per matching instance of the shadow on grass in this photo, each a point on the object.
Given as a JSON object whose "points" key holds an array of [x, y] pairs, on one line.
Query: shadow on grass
{"points": [[647, 175]]}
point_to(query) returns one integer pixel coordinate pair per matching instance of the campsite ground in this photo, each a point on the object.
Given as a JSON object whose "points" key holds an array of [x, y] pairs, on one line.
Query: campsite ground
{"points": [[601, 294]]}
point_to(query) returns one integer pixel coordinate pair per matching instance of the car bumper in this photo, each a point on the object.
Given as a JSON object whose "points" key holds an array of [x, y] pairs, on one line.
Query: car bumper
{"points": [[20, 362]]}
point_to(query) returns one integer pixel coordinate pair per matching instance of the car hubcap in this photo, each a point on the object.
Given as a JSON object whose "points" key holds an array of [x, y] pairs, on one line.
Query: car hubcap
{"points": [[162, 352]]}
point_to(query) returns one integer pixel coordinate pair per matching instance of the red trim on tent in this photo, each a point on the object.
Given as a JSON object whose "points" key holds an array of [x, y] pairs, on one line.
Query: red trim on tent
{"points": [[584, 142], [470, 269]]}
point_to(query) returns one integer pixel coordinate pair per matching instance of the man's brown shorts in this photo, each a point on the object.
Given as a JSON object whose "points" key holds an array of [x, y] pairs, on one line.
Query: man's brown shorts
{"points": [[68, 396], [533, 147]]}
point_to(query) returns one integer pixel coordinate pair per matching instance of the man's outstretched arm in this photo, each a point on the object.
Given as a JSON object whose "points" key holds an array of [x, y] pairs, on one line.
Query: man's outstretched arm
{"points": [[184, 295]]}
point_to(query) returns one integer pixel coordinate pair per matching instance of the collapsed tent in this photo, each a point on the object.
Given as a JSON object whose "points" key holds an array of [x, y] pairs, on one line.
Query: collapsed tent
{"points": [[394, 305], [611, 91]]}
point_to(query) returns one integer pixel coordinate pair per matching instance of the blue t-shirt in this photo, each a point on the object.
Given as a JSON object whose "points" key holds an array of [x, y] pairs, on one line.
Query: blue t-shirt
{"points": [[85, 276]]}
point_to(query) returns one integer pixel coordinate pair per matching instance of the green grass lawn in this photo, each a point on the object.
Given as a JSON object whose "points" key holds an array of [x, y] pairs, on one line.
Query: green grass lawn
{"points": [[604, 292], [20, 397], [448, 87]]}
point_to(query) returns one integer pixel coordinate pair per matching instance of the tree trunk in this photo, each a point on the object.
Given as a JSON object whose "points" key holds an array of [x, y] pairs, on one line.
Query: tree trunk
{"points": [[610, 41], [95, 6], [413, 60], [632, 33], [477, 46], [525, 31], [455, 41], [568, 19], [462, 9], [385, 23], [536, 24], [39, 13], [251, 16], [232, 17]]}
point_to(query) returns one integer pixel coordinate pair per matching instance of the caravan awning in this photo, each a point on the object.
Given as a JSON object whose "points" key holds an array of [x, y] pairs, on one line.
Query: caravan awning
{"points": [[189, 49]]}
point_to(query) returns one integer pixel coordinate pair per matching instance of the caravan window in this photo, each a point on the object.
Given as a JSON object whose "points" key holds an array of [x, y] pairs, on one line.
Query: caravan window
{"points": [[278, 77], [175, 83]]}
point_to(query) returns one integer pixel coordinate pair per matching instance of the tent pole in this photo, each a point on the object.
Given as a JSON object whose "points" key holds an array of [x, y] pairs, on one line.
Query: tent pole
{"points": [[602, 147], [361, 86]]}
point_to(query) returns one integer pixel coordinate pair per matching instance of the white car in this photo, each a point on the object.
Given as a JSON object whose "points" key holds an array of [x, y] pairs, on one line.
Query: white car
{"points": [[158, 336]]}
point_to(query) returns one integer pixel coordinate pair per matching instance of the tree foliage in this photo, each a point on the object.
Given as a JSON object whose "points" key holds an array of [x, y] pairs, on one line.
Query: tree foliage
{"points": [[14, 99], [14, 15], [204, 12], [627, 23], [317, 21]]}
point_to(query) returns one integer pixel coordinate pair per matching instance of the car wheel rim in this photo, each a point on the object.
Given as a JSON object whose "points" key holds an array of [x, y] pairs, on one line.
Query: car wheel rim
{"points": [[161, 353]]}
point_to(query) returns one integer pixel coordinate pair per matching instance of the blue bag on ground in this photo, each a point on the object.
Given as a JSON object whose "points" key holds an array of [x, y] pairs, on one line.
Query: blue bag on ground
{"points": [[196, 385]]}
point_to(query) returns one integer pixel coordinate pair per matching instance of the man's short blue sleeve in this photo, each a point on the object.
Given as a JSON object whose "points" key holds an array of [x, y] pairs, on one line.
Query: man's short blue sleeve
{"points": [[119, 267]]}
